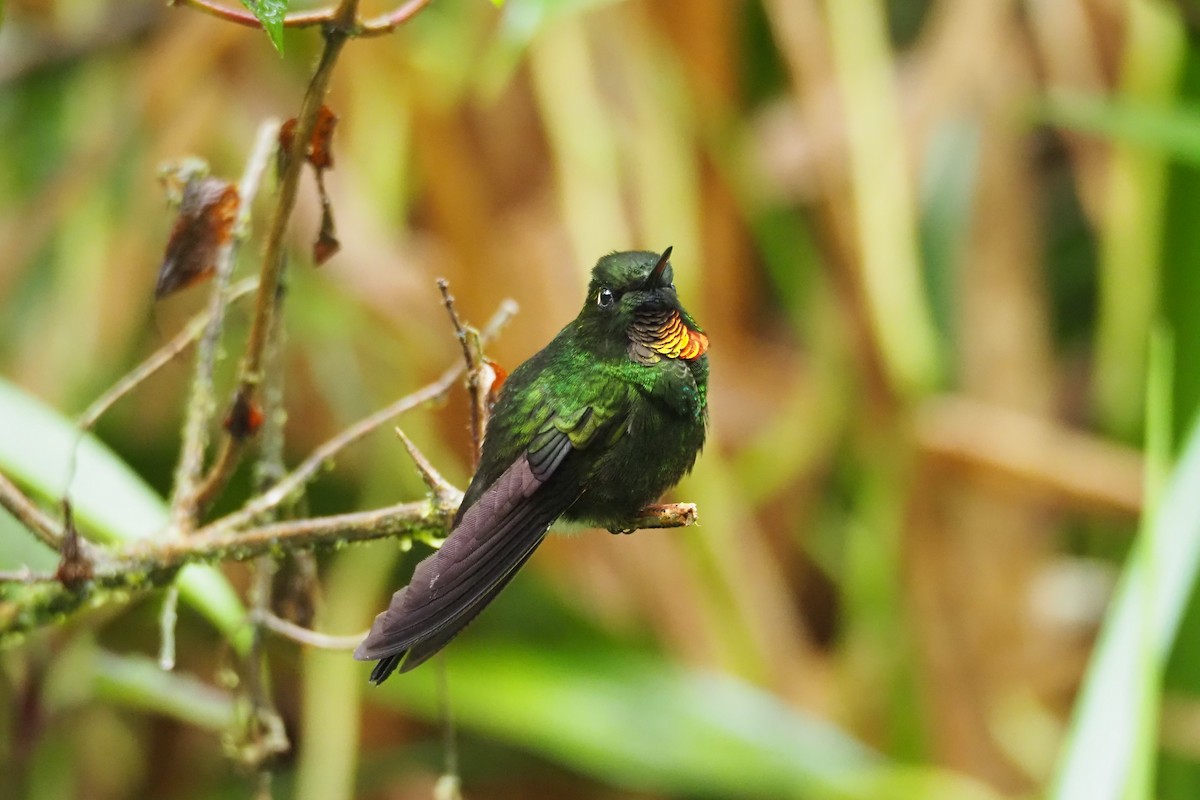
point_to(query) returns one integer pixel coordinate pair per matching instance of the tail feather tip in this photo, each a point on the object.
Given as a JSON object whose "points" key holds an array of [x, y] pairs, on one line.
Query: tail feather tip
{"points": [[384, 668]]}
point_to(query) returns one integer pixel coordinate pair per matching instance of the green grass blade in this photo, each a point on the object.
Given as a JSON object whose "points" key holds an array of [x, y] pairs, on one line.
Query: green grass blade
{"points": [[1149, 684], [1112, 735]]}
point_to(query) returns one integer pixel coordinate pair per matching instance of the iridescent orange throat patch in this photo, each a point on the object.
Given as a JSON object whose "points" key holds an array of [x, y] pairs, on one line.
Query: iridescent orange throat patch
{"points": [[662, 333]]}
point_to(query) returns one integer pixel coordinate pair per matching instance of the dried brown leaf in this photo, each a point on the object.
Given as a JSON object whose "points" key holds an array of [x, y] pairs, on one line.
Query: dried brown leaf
{"points": [[207, 212]]}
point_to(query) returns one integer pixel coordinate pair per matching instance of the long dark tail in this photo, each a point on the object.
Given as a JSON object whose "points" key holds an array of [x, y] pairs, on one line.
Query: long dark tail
{"points": [[422, 651], [494, 538]]}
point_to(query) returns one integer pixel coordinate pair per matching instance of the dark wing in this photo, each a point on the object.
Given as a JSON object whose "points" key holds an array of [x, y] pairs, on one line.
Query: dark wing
{"points": [[492, 540]]}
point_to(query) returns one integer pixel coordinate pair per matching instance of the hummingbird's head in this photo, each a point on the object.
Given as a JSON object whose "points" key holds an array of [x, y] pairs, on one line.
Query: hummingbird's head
{"points": [[632, 307]]}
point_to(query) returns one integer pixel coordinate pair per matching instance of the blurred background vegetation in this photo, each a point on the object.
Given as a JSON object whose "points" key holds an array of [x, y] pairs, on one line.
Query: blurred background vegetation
{"points": [[930, 241]]}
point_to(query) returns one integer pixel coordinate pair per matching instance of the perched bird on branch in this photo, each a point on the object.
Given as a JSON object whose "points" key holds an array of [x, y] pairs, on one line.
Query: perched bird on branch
{"points": [[593, 427]]}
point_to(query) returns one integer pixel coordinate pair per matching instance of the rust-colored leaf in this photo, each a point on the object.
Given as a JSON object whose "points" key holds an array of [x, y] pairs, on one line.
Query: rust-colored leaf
{"points": [[319, 152], [207, 213], [244, 419], [320, 148]]}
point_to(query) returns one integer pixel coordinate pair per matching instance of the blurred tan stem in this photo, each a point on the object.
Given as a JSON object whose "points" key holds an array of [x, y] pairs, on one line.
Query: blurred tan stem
{"points": [[884, 202]]}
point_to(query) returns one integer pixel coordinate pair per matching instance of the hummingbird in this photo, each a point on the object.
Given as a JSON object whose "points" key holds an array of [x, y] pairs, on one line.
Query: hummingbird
{"points": [[592, 428]]}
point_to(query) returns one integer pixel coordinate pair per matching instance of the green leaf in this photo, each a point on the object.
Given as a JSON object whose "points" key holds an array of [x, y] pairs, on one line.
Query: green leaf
{"points": [[270, 13], [652, 727], [109, 499]]}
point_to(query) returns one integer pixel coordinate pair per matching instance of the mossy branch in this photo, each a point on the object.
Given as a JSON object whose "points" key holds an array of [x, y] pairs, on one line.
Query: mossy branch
{"points": [[122, 574]]}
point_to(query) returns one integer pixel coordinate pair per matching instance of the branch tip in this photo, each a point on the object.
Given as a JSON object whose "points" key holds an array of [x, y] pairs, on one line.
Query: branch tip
{"points": [[443, 490]]}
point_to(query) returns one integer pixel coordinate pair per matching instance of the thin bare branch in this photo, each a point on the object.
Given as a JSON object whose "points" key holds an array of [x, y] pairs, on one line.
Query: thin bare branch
{"points": [[264, 145], [304, 636], [240, 16], [386, 23], [472, 359], [28, 514], [507, 310], [158, 359], [376, 26], [441, 488]]}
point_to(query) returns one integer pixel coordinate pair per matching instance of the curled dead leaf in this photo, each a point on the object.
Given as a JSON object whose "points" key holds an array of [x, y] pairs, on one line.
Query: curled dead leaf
{"points": [[207, 212]]}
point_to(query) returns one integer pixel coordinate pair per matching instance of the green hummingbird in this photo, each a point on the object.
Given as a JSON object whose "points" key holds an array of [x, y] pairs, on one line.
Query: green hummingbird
{"points": [[592, 428]]}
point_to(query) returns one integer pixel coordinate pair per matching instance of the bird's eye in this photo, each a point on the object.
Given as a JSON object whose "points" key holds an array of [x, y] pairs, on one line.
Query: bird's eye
{"points": [[605, 298]]}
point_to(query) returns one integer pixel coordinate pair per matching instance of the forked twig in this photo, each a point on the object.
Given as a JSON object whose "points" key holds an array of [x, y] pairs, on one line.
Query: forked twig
{"points": [[307, 469]]}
